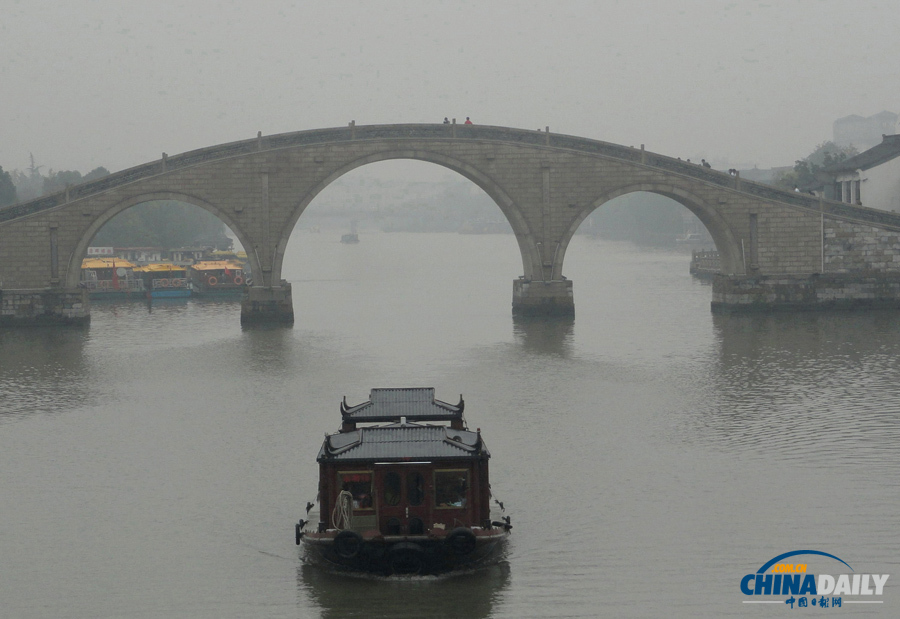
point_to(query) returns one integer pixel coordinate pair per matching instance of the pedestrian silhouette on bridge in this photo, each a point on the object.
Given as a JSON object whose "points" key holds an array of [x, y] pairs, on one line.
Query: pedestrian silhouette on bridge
{"points": [[468, 122]]}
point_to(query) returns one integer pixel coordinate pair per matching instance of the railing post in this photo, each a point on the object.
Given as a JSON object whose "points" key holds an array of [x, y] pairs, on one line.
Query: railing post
{"points": [[165, 162], [822, 231], [643, 155], [259, 141], [453, 128], [547, 135], [352, 125]]}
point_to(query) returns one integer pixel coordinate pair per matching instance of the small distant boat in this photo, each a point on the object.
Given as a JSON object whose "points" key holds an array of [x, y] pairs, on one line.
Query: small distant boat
{"points": [[352, 236], [409, 496], [164, 280]]}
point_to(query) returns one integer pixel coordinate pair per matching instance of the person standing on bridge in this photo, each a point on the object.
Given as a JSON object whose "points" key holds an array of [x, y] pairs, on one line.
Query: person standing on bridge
{"points": [[468, 122], [446, 121]]}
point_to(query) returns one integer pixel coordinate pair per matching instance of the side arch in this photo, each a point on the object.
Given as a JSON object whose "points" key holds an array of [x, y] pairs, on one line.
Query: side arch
{"points": [[728, 247], [521, 228], [73, 268]]}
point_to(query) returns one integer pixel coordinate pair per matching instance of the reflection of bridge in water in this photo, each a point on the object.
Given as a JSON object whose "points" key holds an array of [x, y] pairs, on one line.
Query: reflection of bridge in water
{"points": [[776, 248]]}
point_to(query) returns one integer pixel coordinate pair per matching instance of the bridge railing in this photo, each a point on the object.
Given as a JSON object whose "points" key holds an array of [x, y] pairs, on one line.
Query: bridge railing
{"points": [[448, 131]]}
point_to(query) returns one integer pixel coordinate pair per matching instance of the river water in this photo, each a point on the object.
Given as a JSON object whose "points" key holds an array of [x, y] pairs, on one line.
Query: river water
{"points": [[650, 454]]}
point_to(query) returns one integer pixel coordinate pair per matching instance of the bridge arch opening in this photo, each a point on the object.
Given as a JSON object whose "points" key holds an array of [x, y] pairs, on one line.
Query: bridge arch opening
{"points": [[638, 237], [661, 216], [375, 221], [165, 228], [416, 159]]}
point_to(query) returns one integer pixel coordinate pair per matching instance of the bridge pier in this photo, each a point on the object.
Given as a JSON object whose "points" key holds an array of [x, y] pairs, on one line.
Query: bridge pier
{"points": [[268, 305], [540, 298], [44, 306], [805, 292]]}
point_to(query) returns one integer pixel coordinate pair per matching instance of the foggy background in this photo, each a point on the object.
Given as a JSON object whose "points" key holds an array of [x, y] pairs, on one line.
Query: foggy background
{"points": [[106, 83]]}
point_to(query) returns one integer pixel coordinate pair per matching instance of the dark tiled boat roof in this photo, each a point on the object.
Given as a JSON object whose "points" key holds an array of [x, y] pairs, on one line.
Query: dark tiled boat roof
{"points": [[403, 441], [414, 404]]}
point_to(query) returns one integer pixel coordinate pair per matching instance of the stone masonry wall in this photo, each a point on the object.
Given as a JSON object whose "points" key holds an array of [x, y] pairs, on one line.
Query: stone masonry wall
{"points": [[854, 248], [39, 307]]}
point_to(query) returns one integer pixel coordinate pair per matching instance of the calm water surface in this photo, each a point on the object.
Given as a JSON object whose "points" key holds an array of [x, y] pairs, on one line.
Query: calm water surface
{"points": [[649, 452]]}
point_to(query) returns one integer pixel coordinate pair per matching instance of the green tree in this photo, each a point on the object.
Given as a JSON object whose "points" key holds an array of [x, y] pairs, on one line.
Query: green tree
{"points": [[7, 189], [163, 224], [94, 174], [640, 217], [57, 181], [805, 172], [29, 183]]}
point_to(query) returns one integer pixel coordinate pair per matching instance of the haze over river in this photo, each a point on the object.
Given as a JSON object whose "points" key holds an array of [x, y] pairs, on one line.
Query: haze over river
{"points": [[650, 453]]}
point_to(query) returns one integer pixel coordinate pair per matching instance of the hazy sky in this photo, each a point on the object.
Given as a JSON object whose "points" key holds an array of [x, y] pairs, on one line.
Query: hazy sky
{"points": [[85, 83]]}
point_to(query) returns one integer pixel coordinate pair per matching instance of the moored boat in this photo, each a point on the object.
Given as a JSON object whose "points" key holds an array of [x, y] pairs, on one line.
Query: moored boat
{"points": [[402, 494], [164, 280], [110, 278], [217, 277]]}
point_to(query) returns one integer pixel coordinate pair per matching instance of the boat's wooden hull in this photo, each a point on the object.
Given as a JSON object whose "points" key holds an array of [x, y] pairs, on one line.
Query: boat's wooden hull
{"points": [[438, 552]]}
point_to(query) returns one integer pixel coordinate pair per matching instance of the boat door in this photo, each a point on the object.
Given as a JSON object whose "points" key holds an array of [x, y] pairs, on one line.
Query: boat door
{"points": [[402, 504]]}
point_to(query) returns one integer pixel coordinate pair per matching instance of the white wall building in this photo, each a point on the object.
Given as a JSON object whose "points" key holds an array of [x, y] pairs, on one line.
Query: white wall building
{"points": [[871, 178]]}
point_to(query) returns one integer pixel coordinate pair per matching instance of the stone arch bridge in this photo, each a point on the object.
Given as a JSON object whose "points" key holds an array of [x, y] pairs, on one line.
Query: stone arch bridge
{"points": [[777, 249]]}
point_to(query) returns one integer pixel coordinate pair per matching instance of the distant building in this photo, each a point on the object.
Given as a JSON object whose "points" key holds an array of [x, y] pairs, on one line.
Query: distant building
{"points": [[862, 132], [140, 255], [871, 178]]}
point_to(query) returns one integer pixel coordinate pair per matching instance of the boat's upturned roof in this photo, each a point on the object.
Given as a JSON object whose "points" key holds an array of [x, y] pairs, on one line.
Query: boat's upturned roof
{"points": [[403, 442], [217, 265], [106, 263], [155, 267], [392, 405]]}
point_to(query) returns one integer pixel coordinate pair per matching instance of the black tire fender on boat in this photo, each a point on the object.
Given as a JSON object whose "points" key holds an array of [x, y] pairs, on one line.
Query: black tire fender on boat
{"points": [[298, 532], [347, 544], [461, 541], [406, 558]]}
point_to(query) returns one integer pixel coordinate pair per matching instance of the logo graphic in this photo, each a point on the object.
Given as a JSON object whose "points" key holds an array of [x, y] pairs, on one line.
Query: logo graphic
{"points": [[776, 579]]}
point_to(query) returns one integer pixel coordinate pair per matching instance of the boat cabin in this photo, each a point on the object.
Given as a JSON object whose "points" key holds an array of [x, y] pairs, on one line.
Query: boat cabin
{"points": [[407, 472], [217, 276]]}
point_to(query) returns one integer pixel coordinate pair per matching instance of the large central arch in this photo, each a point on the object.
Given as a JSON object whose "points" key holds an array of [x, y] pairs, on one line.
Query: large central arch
{"points": [[519, 224]]}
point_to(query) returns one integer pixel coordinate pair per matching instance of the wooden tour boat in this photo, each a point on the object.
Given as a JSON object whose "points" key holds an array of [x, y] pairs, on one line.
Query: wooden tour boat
{"points": [[217, 277], [110, 278], [402, 494], [165, 280]]}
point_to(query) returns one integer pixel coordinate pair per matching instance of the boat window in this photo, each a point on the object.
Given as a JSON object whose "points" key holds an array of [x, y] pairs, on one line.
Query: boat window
{"points": [[415, 488], [391, 489], [359, 484], [416, 526], [450, 488], [393, 527]]}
